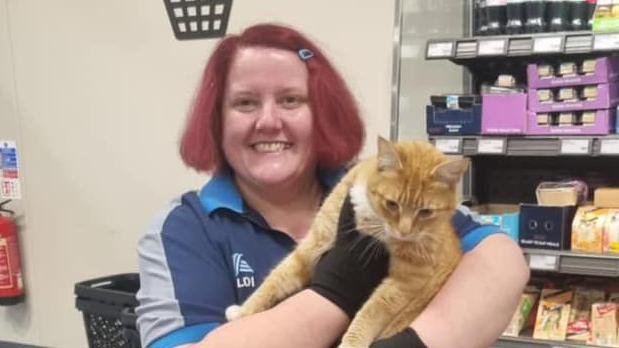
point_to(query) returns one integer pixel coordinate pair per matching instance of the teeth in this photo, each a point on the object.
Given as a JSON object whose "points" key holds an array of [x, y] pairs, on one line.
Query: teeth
{"points": [[270, 147]]}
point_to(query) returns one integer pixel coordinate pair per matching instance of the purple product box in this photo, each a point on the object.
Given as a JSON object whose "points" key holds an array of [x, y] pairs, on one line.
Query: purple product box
{"points": [[603, 125], [504, 113], [606, 70], [607, 97]]}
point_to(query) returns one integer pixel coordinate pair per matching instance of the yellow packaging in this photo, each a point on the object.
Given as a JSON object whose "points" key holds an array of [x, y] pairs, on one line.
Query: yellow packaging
{"points": [[521, 316], [553, 314], [610, 237], [604, 317], [587, 229], [606, 197]]}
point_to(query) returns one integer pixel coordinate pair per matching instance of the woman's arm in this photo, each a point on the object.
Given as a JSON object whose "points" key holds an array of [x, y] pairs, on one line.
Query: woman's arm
{"points": [[303, 320], [478, 300]]}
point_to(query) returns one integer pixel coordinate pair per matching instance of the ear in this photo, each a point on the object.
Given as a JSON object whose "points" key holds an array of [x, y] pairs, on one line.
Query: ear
{"points": [[388, 159], [451, 172]]}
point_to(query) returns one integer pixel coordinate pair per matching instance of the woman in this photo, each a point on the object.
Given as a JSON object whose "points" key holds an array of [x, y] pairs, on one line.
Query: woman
{"points": [[275, 124]]}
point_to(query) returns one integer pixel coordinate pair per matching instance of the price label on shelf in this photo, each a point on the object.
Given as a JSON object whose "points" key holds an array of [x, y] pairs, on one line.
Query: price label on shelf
{"points": [[606, 42], [491, 146], [551, 44], [575, 146], [440, 49], [609, 147], [543, 262], [449, 146], [491, 47]]}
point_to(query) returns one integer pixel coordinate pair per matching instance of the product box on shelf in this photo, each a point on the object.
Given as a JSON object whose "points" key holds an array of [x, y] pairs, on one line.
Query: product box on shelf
{"points": [[607, 96], [505, 216], [444, 121], [504, 113], [602, 124], [606, 197], [544, 227], [606, 70]]}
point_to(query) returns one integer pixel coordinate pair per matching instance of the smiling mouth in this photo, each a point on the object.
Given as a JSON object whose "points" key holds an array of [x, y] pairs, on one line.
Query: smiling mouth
{"points": [[270, 147]]}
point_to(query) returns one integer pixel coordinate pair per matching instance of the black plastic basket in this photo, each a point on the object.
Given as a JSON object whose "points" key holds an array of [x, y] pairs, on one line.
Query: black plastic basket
{"points": [[198, 19], [107, 304]]}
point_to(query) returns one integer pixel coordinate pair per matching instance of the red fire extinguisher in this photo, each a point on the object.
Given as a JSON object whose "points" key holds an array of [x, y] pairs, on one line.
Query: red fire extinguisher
{"points": [[11, 281]]}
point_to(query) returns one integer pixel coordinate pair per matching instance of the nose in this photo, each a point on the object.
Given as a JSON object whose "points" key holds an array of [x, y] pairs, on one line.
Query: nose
{"points": [[269, 118], [406, 223]]}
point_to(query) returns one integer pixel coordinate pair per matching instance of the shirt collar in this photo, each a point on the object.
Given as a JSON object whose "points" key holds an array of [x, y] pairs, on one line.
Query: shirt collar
{"points": [[221, 191]]}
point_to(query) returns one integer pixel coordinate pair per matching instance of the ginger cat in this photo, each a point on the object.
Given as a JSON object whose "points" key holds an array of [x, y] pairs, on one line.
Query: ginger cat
{"points": [[404, 197]]}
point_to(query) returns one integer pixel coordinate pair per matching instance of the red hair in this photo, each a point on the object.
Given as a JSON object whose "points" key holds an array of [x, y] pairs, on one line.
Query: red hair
{"points": [[338, 130]]}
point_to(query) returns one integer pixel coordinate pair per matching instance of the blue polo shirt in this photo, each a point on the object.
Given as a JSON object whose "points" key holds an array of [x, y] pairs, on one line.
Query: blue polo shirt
{"points": [[209, 250]]}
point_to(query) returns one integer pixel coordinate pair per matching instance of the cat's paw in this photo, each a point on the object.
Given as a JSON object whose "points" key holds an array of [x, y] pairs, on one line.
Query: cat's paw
{"points": [[350, 345], [234, 312]]}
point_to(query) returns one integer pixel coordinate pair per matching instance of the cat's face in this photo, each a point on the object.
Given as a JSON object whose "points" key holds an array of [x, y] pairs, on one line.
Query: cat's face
{"points": [[412, 189]]}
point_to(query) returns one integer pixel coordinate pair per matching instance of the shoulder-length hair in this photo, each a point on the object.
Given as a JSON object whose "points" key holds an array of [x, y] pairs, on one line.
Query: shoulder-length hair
{"points": [[338, 129]]}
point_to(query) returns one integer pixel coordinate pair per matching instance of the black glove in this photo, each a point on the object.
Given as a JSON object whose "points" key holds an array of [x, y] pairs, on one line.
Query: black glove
{"points": [[405, 339], [348, 273]]}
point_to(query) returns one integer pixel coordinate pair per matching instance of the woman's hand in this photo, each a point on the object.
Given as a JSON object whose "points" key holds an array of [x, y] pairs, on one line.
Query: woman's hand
{"points": [[349, 272]]}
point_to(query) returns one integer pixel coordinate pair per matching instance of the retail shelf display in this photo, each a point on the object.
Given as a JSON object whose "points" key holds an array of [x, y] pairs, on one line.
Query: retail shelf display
{"points": [[577, 42], [528, 145]]}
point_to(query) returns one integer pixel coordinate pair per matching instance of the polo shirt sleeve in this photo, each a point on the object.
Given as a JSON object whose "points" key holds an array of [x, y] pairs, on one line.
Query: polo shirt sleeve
{"points": [[471, 231], [185, 285]]}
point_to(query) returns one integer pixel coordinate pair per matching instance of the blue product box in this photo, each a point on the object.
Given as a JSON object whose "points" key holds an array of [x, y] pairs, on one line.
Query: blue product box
{"points": [[508, 222], [444, 121]]}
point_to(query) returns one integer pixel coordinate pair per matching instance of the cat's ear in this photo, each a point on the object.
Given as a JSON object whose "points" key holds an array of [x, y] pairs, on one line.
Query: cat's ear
{"points": [[451, 171], [388, 159]]}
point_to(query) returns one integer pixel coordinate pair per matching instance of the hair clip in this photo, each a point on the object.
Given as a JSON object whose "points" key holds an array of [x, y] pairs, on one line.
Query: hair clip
{"points": [[305, 54]]}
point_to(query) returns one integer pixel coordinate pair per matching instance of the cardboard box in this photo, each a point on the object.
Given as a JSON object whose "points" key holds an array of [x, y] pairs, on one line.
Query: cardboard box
{"points": [[606, 70], [504, 113], [607, 97], [603, 124], [506, 216], [545, 227], [588, 229], [443, 121], [606, 197], [553, 315], [557, 197]]}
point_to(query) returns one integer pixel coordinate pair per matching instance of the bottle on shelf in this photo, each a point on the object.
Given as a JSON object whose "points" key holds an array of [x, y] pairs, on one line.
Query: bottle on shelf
{"points": [[535, 11], [481, 25], [495, 16], [590, 11], [558, 14], [578, 15], [515, 17]]}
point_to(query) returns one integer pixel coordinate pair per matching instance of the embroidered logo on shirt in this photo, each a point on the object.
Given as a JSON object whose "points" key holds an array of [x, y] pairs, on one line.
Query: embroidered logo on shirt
{"points": [[243, 272]]}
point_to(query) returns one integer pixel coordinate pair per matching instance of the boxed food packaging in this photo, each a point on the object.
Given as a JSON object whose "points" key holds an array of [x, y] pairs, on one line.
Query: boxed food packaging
{"points": [[545, 227], [602, 123], [588, 229], [579, 324], [504, 113], [604, 70], [505, 216], [521, 317], [606, 197], [443, 121], [610, 236], [607, 96], [561, 193], [553, 314], [604, 317]]}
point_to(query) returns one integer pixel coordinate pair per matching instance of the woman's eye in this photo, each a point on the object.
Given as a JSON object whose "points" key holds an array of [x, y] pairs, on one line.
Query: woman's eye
{"points": [[244, 105], [392, 205], [291, 102], [425, 213]]}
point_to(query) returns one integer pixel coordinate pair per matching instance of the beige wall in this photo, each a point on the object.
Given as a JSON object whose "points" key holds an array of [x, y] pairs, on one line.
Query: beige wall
{"points": [[95, 93]]}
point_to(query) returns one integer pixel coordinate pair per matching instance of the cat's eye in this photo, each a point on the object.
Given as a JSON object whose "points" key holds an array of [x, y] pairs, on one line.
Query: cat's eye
{"points": [[425, 213], [392, 205]]}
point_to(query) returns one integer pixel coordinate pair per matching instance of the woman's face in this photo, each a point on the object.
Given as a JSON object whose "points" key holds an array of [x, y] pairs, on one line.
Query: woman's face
{"points": [[267, 122]]}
